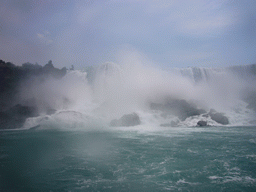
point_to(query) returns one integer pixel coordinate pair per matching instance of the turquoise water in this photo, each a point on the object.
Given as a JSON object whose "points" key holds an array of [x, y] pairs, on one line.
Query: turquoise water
{"points": [[175, 159]]}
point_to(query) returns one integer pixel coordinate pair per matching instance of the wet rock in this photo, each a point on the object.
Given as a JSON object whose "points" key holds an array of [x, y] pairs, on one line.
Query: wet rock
{"points": [[179, 107], [16, 116], [126, 121], [218, 117], [202, 123]]}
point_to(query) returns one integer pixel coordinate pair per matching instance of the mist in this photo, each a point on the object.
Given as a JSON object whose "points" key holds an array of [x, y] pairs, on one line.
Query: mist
{"points": [[133, 84]]}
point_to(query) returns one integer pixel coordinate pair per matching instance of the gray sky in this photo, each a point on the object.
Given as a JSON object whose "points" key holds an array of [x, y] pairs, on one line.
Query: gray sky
{"points": [[169, 33]]}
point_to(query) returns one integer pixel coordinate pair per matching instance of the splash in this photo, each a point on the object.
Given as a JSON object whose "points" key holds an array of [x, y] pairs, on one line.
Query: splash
{"points": [[111, 90]]}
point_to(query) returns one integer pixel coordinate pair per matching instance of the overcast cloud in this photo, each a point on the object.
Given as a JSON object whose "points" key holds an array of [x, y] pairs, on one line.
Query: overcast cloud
{"points": [[170, 33]]}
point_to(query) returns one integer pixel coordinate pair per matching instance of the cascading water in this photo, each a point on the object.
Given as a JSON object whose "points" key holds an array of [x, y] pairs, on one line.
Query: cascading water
{"points": [[110, 91], [135, 128]]}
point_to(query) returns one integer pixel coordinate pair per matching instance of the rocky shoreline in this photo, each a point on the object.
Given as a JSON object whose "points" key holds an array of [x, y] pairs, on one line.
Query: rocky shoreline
{"points": [[179, 108], [13, 111]]}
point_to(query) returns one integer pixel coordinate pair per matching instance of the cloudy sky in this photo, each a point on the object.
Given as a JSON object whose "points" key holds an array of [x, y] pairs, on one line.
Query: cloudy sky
{"points": [[169, 33]]}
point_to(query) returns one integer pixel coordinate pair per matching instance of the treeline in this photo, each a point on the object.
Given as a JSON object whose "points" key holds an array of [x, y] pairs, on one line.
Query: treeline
{"points": [[12, 113], [11, 76]]}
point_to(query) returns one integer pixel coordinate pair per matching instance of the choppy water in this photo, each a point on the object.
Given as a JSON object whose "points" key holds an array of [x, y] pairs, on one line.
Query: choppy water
{"points": [[122, 159]]}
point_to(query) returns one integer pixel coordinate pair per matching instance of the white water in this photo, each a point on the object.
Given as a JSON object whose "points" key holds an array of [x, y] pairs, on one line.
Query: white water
{"points": [[112, 90]]}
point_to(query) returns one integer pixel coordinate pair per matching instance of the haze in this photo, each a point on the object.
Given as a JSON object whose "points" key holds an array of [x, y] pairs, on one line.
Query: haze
{"points": [[170, 33]]}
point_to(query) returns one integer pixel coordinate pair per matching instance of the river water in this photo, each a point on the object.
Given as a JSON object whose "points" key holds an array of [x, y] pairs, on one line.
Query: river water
{"points": [[129, 159]]}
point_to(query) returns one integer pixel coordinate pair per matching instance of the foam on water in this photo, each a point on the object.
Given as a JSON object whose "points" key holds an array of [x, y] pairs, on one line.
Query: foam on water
{"points": [[97, 157], [129, 159]]}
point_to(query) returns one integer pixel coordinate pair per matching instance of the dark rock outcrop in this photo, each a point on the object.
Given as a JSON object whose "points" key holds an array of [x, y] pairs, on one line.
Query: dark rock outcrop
{"points": [[180, 108], [218, 117], [202, 123], [11, 77], [16, 116], [126, 121]]}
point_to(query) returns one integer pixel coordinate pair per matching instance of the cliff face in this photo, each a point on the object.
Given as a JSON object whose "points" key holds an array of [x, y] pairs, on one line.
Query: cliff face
{"points": [[11, 76]]}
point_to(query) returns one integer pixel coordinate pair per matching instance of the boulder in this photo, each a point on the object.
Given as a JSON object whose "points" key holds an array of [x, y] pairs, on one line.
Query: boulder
{"points": [[126, 121], [178, 107], [202, 123], [218, 117]]}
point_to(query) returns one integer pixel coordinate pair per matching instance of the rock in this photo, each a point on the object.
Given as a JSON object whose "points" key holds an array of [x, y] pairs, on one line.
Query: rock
{"points": [[16, 116], [201, 123], [172, 124], [20, 110], [183, 109], [178, 107], [218, 117], [126, 121]]}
